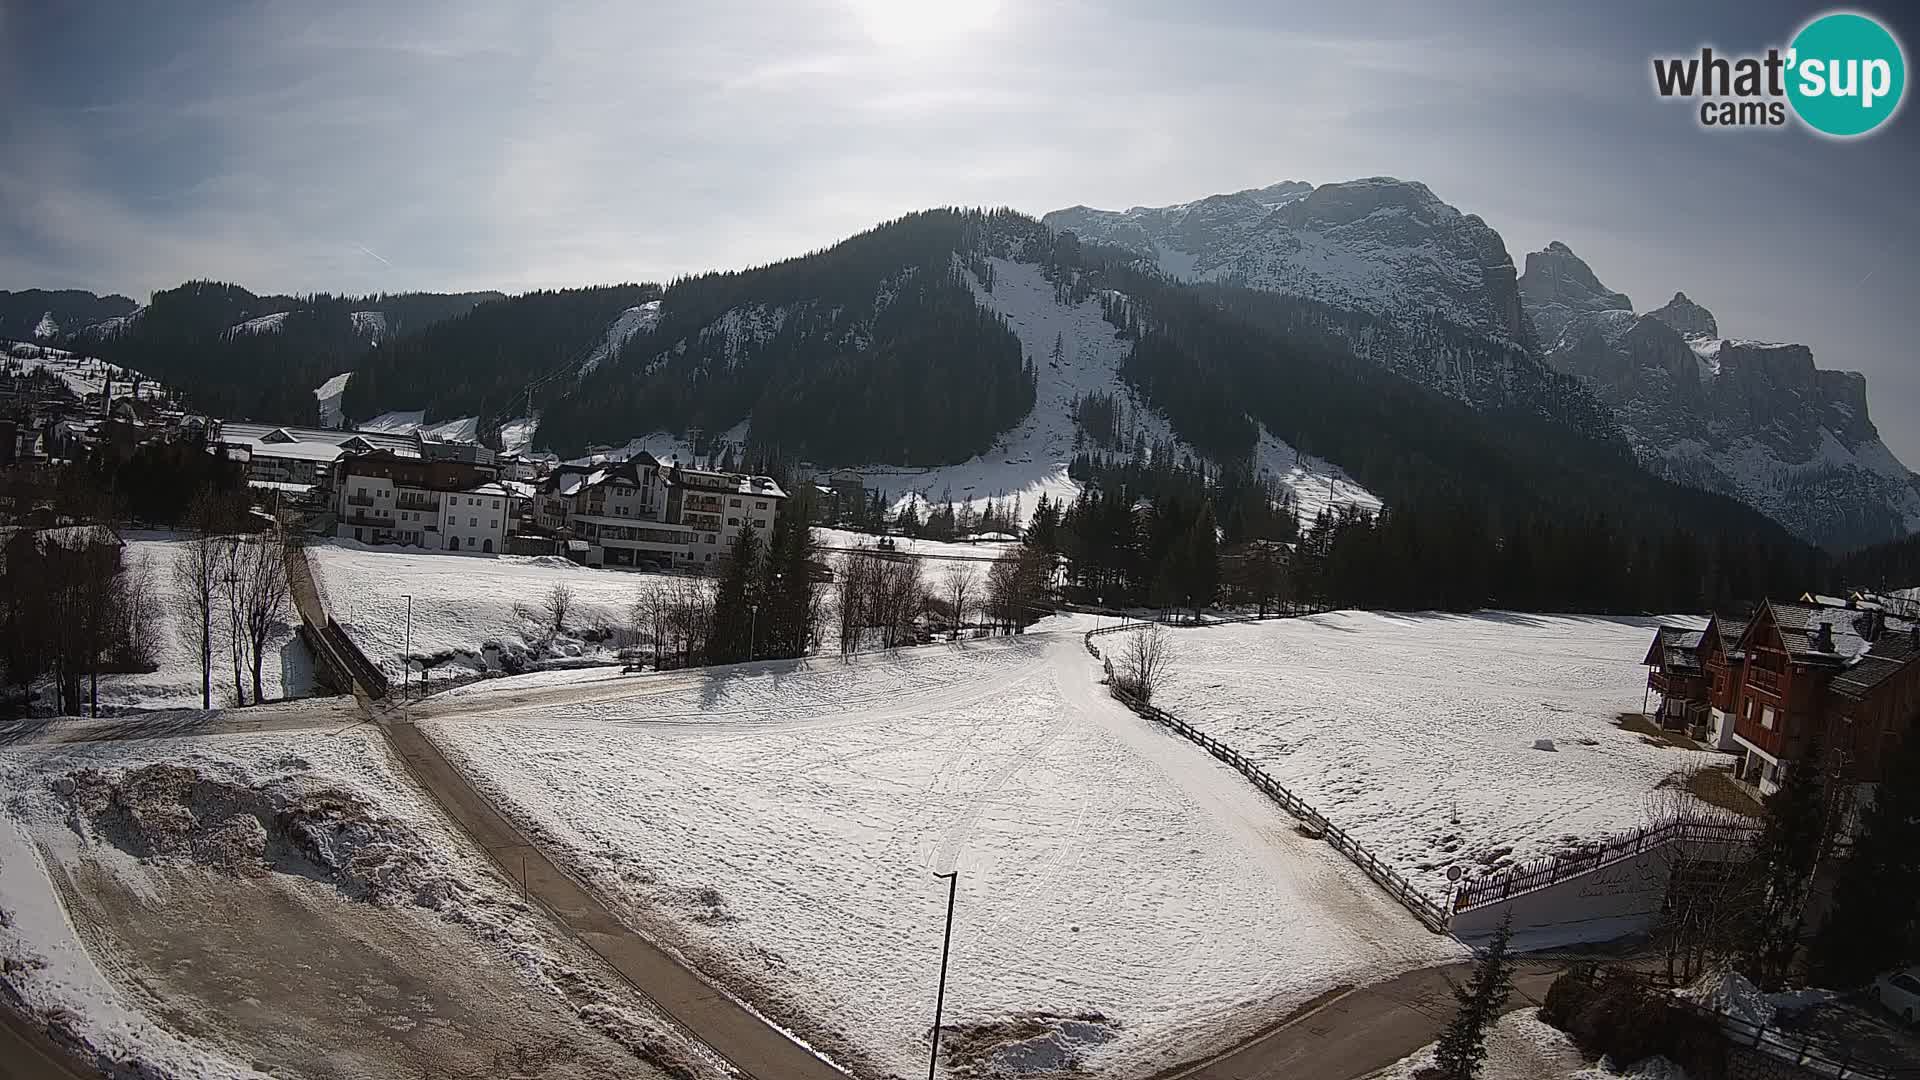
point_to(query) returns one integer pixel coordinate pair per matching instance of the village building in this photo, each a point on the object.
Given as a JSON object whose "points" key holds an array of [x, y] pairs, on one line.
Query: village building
{"points": [[384, 497], [645, 513], [1822, 675]]}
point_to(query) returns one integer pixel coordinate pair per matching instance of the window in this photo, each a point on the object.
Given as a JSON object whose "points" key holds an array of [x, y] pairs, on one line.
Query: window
{"points": [[1908, 983], [452, 521], [493, 523], [1766, 717], [1748, 708], [496, 504], [733, 503], [473, 523], [361, 491], [760, 505], [733, 521]]}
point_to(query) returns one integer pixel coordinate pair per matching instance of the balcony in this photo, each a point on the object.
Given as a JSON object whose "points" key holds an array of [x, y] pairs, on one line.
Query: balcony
{"points": [[1764, 680], [359, 500], [406, 502]]}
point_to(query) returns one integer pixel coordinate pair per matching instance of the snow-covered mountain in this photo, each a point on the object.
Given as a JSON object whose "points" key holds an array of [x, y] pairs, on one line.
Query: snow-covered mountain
{"points": [[1754, 420], [1381, 245], [1407, 280]]}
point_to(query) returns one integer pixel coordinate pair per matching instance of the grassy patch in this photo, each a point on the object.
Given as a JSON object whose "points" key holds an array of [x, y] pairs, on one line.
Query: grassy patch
{"points": [[1653, 734], [1715, 787]]}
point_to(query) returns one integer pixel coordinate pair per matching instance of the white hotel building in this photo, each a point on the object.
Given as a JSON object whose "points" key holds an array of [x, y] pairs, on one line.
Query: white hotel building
{"points": [[642, 512]]}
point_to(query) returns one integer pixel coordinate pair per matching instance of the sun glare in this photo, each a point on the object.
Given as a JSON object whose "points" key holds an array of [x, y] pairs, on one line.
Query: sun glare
{"points": [[915, 23]]}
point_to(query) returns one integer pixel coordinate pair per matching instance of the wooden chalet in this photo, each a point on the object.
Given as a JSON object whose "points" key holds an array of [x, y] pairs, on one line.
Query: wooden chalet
{"points": [[1841, 680]]}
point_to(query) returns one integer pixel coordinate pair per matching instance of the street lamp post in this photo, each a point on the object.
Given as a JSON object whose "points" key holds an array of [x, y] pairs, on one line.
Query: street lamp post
{"points": [[940, 1000], [753, 627], [406, 658]]}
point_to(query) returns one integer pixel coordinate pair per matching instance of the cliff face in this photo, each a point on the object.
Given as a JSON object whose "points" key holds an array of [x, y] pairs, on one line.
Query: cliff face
{"points": [[1439, 287], [1755, 420]]}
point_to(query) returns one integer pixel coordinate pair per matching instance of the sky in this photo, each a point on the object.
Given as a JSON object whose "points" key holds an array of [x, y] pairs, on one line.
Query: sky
{"points": [[471, 144]]}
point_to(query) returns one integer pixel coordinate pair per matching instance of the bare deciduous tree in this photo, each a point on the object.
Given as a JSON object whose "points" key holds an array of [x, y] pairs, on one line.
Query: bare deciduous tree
{"points": [[1144, 662], [1713, 890], [196, 589], [559, 606], [262, 592], [959, 584]]}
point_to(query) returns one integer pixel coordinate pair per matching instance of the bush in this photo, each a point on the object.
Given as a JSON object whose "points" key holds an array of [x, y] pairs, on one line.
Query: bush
{"points": [[1617, 1015]]}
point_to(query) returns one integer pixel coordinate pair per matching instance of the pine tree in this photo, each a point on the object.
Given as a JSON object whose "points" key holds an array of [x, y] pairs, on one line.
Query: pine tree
{"points": [[731, 637], [1875, 921], [1464, 1044], [1786, 855]]}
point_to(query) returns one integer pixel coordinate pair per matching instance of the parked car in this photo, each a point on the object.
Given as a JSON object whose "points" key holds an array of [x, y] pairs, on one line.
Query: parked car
{"points": [[1899, 993]]}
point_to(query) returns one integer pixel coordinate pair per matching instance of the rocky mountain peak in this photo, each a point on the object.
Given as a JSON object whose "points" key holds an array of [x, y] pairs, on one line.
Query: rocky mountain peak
{"points": [[1689, 318], [1557, 285]]}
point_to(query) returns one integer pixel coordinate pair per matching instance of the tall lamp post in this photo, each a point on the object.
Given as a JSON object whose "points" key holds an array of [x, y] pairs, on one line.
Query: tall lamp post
{"points": [[753, 627], [940, 1000], [406, 658]]}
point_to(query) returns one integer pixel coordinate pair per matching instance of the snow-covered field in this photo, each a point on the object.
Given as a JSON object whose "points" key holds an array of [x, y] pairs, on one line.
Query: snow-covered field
{"points": [[1416, 733], [237, 905], [780, 825], [287, 672], [1520, 1046], [462, 604], [936, 556]]}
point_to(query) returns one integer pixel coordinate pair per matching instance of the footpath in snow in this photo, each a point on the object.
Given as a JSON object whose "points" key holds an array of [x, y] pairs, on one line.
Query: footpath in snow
{"points": [[1125, 902], [1415, 733]]}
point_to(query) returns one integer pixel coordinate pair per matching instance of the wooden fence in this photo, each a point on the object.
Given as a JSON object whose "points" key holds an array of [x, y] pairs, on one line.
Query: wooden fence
{"points": [[1553, 869], [1431, 914]]}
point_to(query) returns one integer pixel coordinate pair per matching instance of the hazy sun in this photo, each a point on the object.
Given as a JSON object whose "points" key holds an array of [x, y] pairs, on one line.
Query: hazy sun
{"points": [[901, 23]]}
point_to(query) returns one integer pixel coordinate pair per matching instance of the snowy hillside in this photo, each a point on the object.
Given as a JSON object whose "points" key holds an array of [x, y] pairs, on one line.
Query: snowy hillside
{"points": [[371, 325], [634, 320], [82, 374], [1032, 459], [328, 395], [265, 324]]}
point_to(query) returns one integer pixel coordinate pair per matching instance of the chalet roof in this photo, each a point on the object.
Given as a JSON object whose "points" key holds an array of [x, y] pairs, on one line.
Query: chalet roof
{"points": [[1675, 648], [1731, 629], [1853, 631], [1890, 654]]}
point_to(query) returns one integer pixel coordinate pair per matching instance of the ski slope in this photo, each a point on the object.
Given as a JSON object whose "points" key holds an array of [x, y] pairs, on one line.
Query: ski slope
{"points": [[328, 395], [1415, 732], [1032, 459], [779, 824]]}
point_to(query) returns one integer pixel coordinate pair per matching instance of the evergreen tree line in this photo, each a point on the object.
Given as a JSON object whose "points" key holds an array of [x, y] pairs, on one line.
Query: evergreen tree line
{"points": [[1445, 555], [185, 339], [20, 312], [873, 350], [497, 361], [766, 604]]}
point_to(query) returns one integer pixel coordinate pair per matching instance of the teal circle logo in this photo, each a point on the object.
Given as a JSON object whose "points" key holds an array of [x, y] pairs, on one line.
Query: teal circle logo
{"points": [[1846, 74]]}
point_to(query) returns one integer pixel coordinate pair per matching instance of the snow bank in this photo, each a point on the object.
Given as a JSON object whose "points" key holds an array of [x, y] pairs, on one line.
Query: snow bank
{"points": [[1416, 733], [780, 824], [1520, 1046], [332, 809], [328, 395]]}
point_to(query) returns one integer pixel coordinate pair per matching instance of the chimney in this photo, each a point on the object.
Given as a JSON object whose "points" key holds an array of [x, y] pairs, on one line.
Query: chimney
{"points": [[1823, 641]]}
